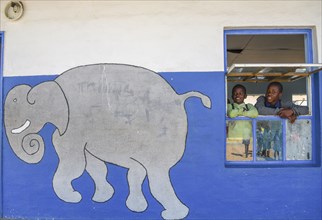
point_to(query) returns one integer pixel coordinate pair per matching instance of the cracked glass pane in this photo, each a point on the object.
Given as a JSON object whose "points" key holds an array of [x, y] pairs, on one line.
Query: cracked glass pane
{"points": [[299, 140]]}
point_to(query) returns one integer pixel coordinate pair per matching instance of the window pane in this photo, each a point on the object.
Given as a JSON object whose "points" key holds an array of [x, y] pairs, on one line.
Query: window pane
{"points": [[239, 145], [269, 137], [299, 140], [299, 99]]}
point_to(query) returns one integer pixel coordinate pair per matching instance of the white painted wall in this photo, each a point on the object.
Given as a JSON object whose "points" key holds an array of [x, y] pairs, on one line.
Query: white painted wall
{"points": [[53, 36]]}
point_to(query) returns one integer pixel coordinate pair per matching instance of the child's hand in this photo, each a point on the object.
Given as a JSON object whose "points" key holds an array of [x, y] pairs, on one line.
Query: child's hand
{"points": [[287, 113], [240, 112], [292, 119]]}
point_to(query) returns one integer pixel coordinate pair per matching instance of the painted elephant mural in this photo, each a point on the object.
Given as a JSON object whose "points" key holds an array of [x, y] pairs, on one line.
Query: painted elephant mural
{"points": [[120, 114]]}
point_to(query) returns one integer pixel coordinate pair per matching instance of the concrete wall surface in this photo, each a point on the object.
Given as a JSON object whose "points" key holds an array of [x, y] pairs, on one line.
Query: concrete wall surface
{"points": [[159, 35]]}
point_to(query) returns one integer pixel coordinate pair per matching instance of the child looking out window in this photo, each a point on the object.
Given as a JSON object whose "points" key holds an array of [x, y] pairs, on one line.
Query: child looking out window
{"points": [[239, 108], [271, 104]]}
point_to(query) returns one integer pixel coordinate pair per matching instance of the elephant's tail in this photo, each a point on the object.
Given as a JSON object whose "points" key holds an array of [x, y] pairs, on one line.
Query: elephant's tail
{"points": [[205, 99]]}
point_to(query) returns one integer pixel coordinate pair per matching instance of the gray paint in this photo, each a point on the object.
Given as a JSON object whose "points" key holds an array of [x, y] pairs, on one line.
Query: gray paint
{"points": [[121, 114]]}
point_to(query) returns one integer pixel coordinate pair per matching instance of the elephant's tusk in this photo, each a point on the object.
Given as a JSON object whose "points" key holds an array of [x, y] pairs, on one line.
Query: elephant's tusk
{"points": [[21, 128]]}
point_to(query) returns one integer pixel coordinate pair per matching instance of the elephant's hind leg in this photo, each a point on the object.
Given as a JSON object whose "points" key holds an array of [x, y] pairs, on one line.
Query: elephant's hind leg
{"points": [[162, 190], [98, 171], [136, 175]]}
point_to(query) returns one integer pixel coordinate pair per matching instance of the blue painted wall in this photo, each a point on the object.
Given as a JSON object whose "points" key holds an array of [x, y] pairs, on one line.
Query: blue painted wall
{"points": [[1, 113], [200, 179]]}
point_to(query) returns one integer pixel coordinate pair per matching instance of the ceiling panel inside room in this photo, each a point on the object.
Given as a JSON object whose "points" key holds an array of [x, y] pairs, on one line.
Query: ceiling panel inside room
{"points": [[265, 49]]}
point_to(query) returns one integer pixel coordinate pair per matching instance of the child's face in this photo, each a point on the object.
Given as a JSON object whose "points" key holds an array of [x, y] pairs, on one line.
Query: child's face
{"points": [[239, 95], [273, 94]]}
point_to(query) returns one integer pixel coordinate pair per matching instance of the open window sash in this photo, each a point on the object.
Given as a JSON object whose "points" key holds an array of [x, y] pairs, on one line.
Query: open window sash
{"points": [[269, 72]]}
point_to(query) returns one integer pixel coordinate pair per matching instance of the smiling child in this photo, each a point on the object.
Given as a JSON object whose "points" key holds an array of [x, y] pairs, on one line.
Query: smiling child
{"points": [[239, 108], [271, 104]]}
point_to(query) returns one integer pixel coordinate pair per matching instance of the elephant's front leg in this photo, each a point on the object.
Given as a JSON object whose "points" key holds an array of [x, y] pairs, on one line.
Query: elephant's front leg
{"points": [[71, 166]]}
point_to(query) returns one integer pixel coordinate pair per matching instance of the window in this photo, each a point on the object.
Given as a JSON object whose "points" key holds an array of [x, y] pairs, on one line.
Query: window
{"points": [[254, 58]]}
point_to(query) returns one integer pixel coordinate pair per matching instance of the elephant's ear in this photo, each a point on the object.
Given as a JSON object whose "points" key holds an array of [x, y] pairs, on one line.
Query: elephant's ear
{"points": [[50, 104]]}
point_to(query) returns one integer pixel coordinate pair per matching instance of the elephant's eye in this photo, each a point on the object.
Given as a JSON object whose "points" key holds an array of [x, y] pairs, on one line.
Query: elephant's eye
{"points": [[14, 100]]}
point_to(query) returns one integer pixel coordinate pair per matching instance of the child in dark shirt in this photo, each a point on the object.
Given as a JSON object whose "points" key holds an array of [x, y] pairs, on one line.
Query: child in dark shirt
{"points": [[271, 104]]}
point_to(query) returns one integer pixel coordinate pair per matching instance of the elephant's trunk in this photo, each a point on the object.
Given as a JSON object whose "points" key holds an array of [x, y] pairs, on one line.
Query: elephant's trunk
{"points": [[28, 147]]}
